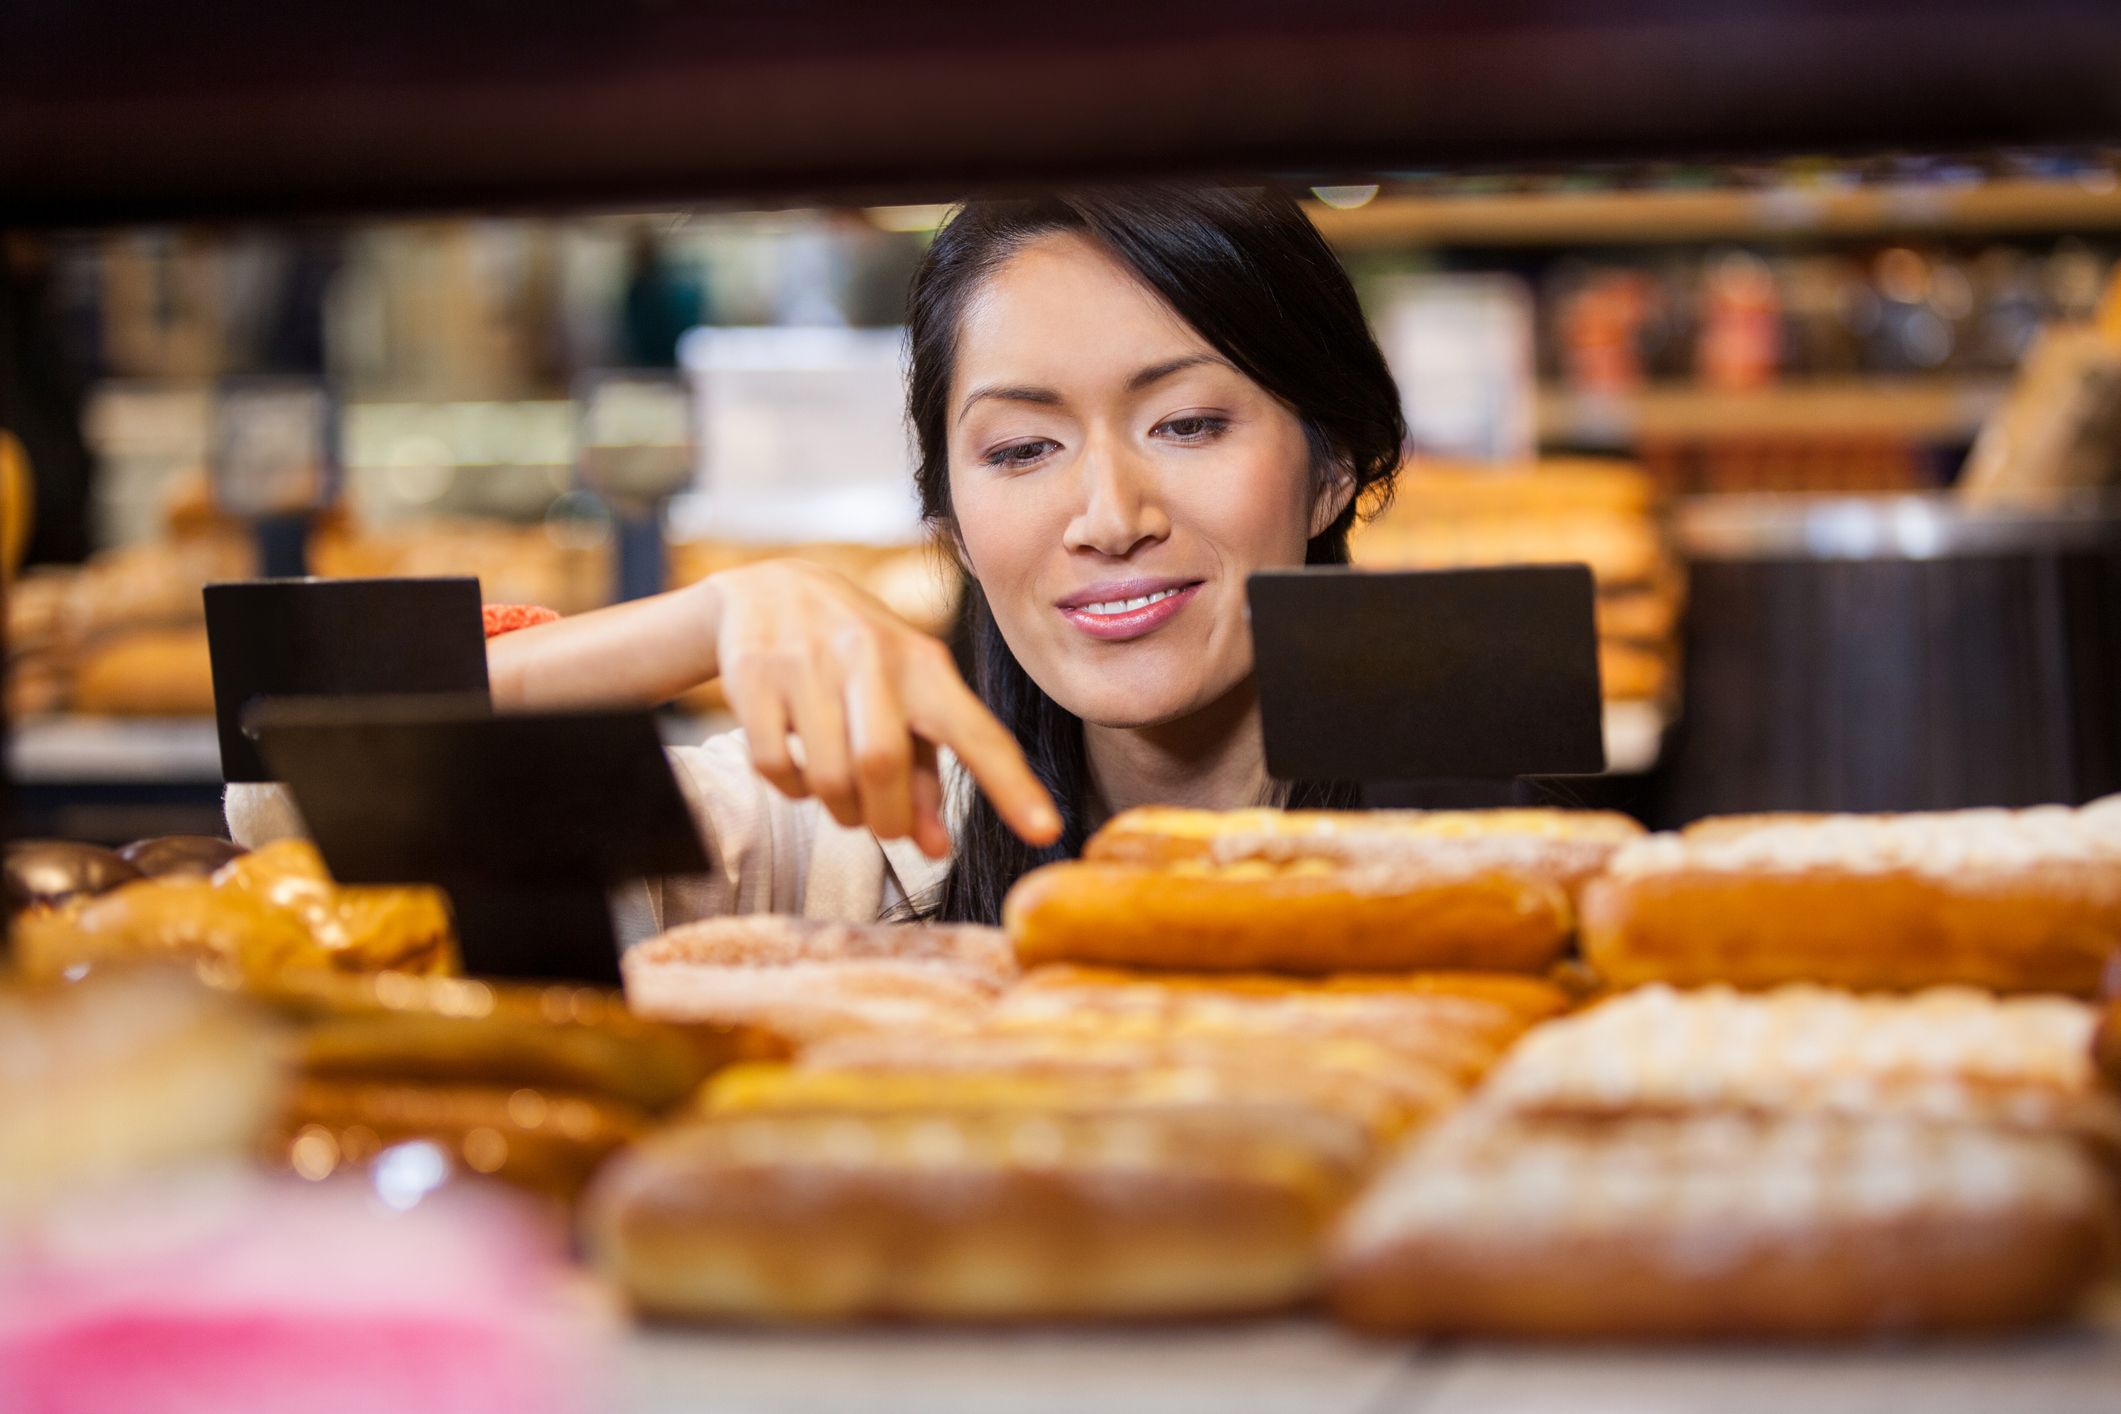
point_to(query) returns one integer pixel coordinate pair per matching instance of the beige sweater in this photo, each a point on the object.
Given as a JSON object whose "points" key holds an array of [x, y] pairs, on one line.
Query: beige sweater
{"points": [[767, 853]]}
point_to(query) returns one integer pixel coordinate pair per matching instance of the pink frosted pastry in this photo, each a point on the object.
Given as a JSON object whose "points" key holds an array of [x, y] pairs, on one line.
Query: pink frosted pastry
{"points": [[233, 1293]]}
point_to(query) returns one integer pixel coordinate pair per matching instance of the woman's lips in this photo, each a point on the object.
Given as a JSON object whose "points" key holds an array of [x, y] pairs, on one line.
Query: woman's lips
{"points": [[1122, 624]]}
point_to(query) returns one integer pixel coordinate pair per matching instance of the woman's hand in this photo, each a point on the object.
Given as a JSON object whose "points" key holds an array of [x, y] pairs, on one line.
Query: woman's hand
{"points": [[805, 655]]}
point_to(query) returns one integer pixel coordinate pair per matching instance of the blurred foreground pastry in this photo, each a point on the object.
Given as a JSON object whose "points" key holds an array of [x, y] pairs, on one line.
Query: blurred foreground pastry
{"points": [[974, 1216], [263, 913], [54, 873], [178, 920], [180, 856], [808, 978], [249, 1294], [125, 1075], [2011, 900], [533, 1085], [358, 927], [2106, 1044], [1721, 1227], [538, 1140], [449, 1030]]}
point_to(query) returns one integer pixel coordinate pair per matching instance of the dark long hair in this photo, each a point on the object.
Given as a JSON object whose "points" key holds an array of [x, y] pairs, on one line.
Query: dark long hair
{"points": [[1250, 273]]}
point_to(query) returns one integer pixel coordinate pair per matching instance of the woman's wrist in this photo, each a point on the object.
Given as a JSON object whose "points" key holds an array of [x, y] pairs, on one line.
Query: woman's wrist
{"points": [[702, 614]]}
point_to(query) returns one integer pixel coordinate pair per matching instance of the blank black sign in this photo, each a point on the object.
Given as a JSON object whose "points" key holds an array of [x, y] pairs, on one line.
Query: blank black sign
{"points": [[1428, 675], [441, 791], [526, 819], [274, 638]]}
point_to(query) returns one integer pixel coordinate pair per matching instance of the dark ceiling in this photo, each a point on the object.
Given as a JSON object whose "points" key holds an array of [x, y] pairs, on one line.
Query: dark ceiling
{"points": [[118, 111]]}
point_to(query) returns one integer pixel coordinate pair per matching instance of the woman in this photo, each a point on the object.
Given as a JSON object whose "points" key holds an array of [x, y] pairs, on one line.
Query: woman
{"points": [[1125, 403]]}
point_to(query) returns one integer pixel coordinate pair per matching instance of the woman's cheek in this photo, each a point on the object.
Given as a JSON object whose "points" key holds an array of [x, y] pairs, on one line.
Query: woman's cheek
{"points": [[1256, 511], [1001, 538]]}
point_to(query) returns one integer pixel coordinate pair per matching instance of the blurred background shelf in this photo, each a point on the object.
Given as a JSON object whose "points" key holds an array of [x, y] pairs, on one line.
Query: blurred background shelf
{"points": [[1940, 408], [2009, 206]]}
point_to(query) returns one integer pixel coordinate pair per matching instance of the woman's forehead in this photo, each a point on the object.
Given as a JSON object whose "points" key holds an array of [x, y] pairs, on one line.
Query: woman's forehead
{"points": [[1062, 306]]}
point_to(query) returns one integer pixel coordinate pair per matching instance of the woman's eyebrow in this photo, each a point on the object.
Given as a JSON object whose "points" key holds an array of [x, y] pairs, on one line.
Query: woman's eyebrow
{"points": [[1158, 371], [1045, 397]]}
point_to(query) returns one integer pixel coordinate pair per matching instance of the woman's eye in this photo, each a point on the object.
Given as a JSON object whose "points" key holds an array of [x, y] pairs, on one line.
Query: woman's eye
{"points": [[1194, 427], [1019, 453]]}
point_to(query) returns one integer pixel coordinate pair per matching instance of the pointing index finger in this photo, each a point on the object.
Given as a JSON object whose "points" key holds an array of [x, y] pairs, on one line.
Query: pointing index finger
{"points": [[960, 721]]}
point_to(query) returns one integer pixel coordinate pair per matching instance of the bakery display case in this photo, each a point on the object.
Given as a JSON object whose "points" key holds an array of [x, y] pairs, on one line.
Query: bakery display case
{"points": [[1780, 1064]]}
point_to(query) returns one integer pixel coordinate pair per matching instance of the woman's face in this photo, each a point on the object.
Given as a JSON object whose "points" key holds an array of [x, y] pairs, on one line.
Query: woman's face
{"points": [[1114, 481]]}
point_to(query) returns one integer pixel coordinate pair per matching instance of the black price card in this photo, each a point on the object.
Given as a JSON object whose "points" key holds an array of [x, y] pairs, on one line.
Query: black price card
{"points": [[527, 819], [1478, 674], [275, 638]]}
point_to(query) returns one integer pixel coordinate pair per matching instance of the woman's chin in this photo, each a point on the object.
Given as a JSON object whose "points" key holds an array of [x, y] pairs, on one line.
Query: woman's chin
{"points": [[1114, 707]]}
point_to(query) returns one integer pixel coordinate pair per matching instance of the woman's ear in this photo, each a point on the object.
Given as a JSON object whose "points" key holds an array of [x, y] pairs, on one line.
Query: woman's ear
{"points": [[1335, 489]]}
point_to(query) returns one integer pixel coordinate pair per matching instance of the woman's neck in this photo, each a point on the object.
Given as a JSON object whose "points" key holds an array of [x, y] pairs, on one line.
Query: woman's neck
{"points": [[1214, 759]]}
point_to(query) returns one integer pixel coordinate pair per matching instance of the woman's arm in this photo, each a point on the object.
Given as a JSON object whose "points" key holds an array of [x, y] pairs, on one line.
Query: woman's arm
{"points": [[637, 654], [802, 653]]}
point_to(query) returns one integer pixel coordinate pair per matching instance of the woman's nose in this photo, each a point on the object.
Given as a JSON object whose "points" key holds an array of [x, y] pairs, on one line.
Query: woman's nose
{"points": [[1120, 510]]}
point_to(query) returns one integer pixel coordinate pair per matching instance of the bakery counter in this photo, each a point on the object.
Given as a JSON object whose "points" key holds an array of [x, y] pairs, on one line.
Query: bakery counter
{"points": [[1313, 1368], [112, 779], [111, 750]]}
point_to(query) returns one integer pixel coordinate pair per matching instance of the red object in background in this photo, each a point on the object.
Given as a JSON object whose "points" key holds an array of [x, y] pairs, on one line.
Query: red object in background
{"points": [[1741, 324], [507, 618], [1601, 332]]}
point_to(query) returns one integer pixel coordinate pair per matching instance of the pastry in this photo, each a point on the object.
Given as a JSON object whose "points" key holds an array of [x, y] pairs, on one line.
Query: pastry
{"points": [[398, 1027], [358, 927], [2106, 1045], [1948, 1056], [1355, 1077], [808, 978], [1646, 617], [1529, 999], [185, 920], [1306, 915], [1567, 846], [159, 672], [1353, 1119], [52, 873], [1721, 1227], [2013, 900], [549, 1142], [1459, 1036], [973, 1216], [272, 909], [1628, 671], [124, 1074], [194, 856]]}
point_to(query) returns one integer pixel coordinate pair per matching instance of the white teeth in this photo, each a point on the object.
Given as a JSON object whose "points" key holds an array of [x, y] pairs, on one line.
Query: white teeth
{"points": [[1123, 606]]}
